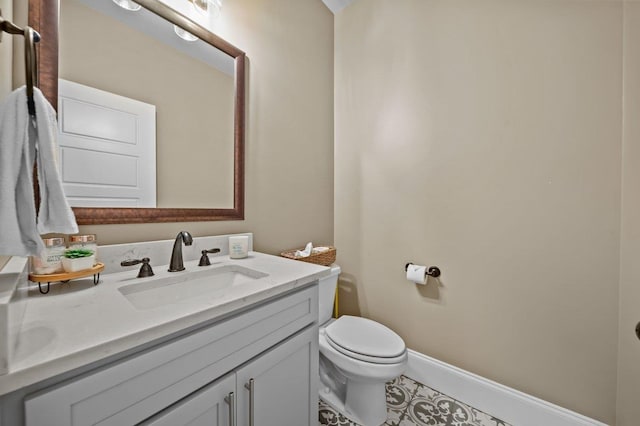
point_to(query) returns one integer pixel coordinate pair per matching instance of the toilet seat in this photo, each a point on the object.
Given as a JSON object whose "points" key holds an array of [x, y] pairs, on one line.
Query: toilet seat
{"points": [[365, 340]]}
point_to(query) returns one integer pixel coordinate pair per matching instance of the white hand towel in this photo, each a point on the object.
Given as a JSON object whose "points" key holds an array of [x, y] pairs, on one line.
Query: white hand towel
{"points": [[54, 214], [19, 140]]}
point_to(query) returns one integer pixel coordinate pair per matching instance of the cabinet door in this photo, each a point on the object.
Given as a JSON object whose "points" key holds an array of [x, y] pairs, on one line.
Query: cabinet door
{"points": [[213, 405], [280, 387]]}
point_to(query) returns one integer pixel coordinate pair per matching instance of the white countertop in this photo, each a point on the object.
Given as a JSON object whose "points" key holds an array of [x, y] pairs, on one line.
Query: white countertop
{"points": [[78, 323]]}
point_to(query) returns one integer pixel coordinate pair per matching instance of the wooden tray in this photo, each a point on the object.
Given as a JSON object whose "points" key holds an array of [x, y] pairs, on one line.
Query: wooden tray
{"points": [[66, 276]]}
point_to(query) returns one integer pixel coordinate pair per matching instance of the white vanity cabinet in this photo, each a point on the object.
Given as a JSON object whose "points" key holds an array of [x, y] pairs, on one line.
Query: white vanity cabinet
{"points": [[273, 346]]}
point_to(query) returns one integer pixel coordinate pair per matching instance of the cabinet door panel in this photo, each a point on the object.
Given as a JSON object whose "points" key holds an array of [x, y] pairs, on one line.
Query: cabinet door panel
{"points": [[285, 381], [206, 407]]}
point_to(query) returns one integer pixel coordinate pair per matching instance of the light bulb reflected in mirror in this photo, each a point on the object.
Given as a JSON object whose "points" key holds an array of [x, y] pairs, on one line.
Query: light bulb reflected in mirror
{"points": [[208, 7], [201, 6], [128, 5], [183, 34]]}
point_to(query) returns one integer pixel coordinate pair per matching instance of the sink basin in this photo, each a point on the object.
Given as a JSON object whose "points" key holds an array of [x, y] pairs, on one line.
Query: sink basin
{"points": [[152, 293]]}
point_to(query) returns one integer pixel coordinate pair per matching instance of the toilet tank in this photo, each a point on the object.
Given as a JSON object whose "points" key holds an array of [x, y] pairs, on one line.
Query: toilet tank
{"points": [[326, 292]]}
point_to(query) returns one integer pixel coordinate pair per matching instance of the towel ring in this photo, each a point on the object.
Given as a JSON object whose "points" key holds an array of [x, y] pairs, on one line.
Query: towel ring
{"points": [[31, 65], [31, 37]]}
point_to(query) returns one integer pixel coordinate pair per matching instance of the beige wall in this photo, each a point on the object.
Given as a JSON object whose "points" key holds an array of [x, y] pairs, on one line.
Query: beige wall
{"points": [[629, 349], [289, 157], [485, 138]]}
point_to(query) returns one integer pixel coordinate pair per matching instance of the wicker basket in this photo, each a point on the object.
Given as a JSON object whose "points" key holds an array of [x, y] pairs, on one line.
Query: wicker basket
{"points": [[325, 258]]}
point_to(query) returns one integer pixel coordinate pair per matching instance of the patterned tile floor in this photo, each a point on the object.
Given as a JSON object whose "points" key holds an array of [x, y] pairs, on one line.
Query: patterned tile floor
{"points": [[411, 403]]}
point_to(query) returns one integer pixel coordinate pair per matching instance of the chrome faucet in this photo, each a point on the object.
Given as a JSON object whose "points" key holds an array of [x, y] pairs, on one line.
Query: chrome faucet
{"points": [[176, 263]]}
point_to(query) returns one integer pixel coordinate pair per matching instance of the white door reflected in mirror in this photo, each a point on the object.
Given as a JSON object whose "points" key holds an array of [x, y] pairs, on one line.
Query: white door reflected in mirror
{"points": [[107, 148]]}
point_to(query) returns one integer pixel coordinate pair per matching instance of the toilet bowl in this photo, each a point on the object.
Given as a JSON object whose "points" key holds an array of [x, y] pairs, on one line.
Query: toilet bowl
{"points": [[357, 357]]}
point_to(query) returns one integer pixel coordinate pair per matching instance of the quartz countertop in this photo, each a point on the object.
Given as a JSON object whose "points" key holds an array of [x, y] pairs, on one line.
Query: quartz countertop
{"points": [[78, 323]]}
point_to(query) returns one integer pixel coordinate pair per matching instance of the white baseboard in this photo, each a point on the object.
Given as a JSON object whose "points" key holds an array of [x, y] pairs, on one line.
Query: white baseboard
{"points": [[510, 405]]}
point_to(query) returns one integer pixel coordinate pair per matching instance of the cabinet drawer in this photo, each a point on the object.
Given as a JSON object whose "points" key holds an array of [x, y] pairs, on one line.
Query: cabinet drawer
{"points": [[144, 384]]}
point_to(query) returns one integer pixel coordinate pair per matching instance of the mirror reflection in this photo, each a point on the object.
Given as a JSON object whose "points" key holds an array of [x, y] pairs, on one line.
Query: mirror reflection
{"points": [[129, 80]]}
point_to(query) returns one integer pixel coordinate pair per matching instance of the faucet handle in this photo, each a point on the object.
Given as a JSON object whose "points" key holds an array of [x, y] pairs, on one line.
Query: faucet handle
{"points": [[204, 259], [145, 269]]}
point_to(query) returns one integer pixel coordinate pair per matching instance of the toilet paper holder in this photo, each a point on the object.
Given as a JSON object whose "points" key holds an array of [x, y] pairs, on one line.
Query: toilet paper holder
{"points": [[433, 271]]}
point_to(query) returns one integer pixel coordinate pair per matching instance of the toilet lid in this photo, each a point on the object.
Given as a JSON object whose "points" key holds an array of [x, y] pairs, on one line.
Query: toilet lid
{"points": [[365, 339]]}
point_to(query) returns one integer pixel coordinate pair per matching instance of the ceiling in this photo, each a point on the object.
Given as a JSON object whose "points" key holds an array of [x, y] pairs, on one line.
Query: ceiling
{"points": [[337, 5]]}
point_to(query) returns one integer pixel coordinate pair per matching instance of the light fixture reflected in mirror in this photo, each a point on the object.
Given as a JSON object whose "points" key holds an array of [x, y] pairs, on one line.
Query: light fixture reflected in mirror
{"points": [[128, 5], [201, 6], [183, 34], [208, 7]]}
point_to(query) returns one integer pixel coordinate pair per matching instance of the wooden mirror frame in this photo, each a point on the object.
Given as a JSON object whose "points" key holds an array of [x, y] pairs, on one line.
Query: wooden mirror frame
{"points": [[43, 17]]}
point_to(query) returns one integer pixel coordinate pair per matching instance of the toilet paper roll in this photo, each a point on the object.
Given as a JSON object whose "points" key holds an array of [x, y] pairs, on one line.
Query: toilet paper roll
{"points": [[417, 274]]}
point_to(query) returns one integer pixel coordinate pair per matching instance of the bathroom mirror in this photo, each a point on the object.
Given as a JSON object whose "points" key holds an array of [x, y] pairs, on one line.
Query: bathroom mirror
{"points": [[43, 16]]}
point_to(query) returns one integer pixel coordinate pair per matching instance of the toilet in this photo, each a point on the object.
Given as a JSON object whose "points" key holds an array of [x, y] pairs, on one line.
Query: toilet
{"points": [[357, 357]]}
